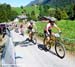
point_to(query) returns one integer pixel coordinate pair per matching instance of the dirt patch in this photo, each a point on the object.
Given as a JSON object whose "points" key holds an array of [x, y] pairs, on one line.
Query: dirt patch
{"points": [[71, 53]]}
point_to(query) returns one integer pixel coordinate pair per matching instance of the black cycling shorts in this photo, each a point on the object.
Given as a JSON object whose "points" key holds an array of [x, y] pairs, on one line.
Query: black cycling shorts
{"points": [[46, 34]]}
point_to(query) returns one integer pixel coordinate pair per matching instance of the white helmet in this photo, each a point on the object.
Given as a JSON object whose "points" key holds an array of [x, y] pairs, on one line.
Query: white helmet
{"points": [[53, 19], [47, 17], [50, 18], [31, 21]]}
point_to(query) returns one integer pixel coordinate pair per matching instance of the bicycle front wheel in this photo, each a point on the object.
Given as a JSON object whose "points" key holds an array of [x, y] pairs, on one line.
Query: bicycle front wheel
{"points": [[60, 50]]}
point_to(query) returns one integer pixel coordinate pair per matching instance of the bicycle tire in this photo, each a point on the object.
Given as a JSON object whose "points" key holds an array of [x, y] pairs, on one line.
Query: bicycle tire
{"points": [[35, 40], [47, 45], [59, 44]]}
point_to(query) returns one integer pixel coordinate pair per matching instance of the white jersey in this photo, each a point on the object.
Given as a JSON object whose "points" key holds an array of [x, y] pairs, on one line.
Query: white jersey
{"points": [[49, 26], [32, 26]]}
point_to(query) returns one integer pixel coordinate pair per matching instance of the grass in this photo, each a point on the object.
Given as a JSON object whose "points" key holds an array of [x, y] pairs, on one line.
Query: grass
{"points": [[40, 28], [67, 27]]}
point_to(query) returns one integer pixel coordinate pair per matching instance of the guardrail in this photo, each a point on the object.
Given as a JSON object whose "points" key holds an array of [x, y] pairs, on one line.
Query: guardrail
{"points": [[8, 55]]}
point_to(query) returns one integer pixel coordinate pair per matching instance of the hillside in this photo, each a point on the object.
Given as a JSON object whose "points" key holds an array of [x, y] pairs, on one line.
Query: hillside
{"points": [[52, 3], [28, 9]]}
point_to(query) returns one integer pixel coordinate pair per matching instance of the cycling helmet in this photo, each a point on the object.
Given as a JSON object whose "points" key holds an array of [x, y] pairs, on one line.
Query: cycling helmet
{"points": [[52, 19], [47, 17], [31, 22]]}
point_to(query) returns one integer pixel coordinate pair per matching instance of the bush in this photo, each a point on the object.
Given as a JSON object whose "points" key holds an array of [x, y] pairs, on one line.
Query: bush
{"points": [[6, 13]]}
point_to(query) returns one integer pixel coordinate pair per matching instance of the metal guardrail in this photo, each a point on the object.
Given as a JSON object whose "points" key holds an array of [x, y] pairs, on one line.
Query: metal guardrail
{"points": [[8, 55]]}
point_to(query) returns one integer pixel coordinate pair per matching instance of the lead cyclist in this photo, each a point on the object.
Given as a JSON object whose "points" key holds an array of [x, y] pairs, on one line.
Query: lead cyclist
{"points": [[49, 26]]}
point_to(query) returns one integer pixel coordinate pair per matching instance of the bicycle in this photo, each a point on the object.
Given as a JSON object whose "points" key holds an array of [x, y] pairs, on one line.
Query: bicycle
{"points": [[33, 37], [56, 41]]}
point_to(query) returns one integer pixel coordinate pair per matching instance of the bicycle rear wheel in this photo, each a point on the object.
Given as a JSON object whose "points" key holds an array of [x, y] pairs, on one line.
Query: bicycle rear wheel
{"points": [[60, 50], [46, 44], [35, 40]]}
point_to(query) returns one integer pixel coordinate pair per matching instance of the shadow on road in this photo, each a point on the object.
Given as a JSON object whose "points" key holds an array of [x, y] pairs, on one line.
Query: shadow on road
{"points": [[42, 47], [25, 43], [18, 57]]}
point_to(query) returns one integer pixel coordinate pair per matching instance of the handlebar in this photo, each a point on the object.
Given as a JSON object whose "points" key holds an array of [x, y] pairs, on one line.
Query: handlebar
{"points": [[58, 34]]}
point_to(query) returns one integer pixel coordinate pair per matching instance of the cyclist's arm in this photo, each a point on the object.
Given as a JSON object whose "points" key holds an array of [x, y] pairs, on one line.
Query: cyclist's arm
{"points": [[28, 24], [47, 28], [57, 27]]}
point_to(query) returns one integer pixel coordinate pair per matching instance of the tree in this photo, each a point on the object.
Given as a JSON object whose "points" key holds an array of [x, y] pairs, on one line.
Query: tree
{"points": [[21, 7], [71, 12], [58, 13], [29, 17], [41, 9], [45, 10], [33, 15], [13, 15], [64, 14], [6, 13], [74, 10], [51, 12]]}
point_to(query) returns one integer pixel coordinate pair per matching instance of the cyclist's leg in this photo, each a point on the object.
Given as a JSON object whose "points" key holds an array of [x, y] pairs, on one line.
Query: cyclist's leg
{"points": [[30, 34], [48, 37], [53, 34]]}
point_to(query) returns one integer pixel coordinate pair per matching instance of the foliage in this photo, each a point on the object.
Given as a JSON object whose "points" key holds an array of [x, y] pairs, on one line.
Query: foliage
{"points": [[40, 28], [58, 13], [17, 9], [71, 12], [67, 27], [6, 13], [65, 12], [51, 12]]}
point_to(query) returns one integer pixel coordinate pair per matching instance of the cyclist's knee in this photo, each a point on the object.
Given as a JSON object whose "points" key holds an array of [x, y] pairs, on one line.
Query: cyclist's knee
{"points": [[48, 38], [53, 33]]}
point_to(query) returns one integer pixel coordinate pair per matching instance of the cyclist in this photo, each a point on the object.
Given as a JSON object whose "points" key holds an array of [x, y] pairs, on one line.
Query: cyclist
{"points": [[31, 28], [22, 29], [49, 26]]}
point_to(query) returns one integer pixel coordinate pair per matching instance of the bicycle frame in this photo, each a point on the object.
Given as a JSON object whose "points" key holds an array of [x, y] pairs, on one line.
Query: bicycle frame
{"points": [[54, 38]]}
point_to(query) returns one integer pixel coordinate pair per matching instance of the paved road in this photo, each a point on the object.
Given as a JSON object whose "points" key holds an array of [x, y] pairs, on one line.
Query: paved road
{"points": [[29, 55]]}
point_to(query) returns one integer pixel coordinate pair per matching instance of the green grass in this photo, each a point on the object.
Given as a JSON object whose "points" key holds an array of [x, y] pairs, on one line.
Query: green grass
{"points": [[68, 28], [40, 28]]}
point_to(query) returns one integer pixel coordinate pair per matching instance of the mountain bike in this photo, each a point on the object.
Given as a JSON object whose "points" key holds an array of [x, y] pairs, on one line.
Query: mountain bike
{"points": [[33, 36], [55, 41]]}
